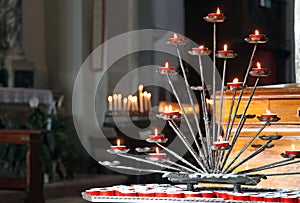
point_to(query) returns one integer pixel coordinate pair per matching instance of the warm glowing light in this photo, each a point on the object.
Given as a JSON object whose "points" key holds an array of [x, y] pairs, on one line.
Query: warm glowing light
{"points": [[118, 142], [166, 64], [155, 132], [258, 65], [293, 147], [235, 80], [115, 96], [246, 166], [170, 108], [209, 101], [148, 95], [125, 100], [141, 87], [218, 10], [157, 150], [119, 96], [134, 99], [175, 35], [220, 138], [110, 98], [256, 32], [268, 111], [129, 97], [225, 47], [201, 47]]}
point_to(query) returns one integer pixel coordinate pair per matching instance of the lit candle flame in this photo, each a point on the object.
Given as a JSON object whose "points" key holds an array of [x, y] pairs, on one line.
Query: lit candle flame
{"points": [[201, 47], [110, 98], [155, 132], [118, 142], [148, 95], [246, 166], [129, 97], [166, 64], [115, 96], [220, 138], [119, 96], [268, 111], [225, 47], [256, 32], [170, 108], [293, 147], [175, 35], [218, 10], [157, 150], [141, 87], [258, 65], [235, 80], [134, 99]]}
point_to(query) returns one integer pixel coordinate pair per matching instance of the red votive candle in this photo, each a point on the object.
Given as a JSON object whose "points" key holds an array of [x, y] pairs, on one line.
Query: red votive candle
{"points": [[118, 146], [241, 197], [169, 111], [107, 192], [272, 199], [200, 48], [207, 194], [176, 39], [158, 155], [128, 193], [256, 36], [161, 194], [166, 67], [259, 69], [293, 151], [217, 14], [235, 83], [289, 199], [146, 194], [256, 198], [225, 50], [93, 192], [174, 194], [268, 115], [156, 136]]}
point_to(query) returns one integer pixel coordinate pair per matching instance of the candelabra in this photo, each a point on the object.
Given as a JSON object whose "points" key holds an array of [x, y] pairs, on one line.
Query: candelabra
{"points": [[211, 148]]}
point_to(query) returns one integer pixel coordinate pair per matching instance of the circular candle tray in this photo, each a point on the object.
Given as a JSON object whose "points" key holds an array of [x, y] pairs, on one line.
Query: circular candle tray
{"points": [[117, 151], [261, 41], [157, 159], [227, 56], [199, 88], [164, 140], [268, 119], [200, 53], [214, 19], [167, 72], [289, 156], [167, 118], [220, 148], [248, 116], [260, 74], [235, 87], [270, 137], [143, 149], [177, 43], [260, 145], [213, 178]]}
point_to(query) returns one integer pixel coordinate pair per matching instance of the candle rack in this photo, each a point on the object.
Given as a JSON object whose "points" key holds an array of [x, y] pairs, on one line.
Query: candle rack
{"points": [[211, 162]]}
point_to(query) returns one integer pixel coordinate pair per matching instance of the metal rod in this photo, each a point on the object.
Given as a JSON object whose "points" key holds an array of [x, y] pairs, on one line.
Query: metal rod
{"points": [[185, 116], [247, 145], [230, 112], [261, 149], [149, 162], [188, 89], [214, 81], [242, 91], [187, 144], [236, 135], [178, 157], [205, 112], [222, 98], [267, 166]]}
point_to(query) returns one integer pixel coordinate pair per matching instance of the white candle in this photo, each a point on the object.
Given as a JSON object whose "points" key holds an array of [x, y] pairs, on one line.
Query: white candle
{"points": [[125, 107], [141, 87], [115, 102], [129, 103], [146, 100], [119, 102], [110, 99], [149, 101], [135, 103]]}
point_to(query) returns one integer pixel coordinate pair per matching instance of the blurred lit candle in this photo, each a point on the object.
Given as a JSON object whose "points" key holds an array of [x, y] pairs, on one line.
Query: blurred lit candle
{"points": [[220, 143], [169, 111], [200, 48], [141, 87], [146, 100], [115, 102], [118, 146], [149, 101], [134, 103], [156, 136], [234, 83], [110, 106], [129, 103], [119, 102], [125, 106]]}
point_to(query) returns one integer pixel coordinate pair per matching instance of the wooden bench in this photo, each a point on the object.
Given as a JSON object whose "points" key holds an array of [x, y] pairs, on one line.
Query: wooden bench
{"points": [[32, 184]]}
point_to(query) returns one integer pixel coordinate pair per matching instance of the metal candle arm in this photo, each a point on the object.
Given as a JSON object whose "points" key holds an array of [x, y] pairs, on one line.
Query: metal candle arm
{"points": [[247, 145], [261, 149]]}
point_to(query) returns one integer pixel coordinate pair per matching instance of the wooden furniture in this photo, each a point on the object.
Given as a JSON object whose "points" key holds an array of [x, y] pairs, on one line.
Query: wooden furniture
{"points": [[33, 183]]}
